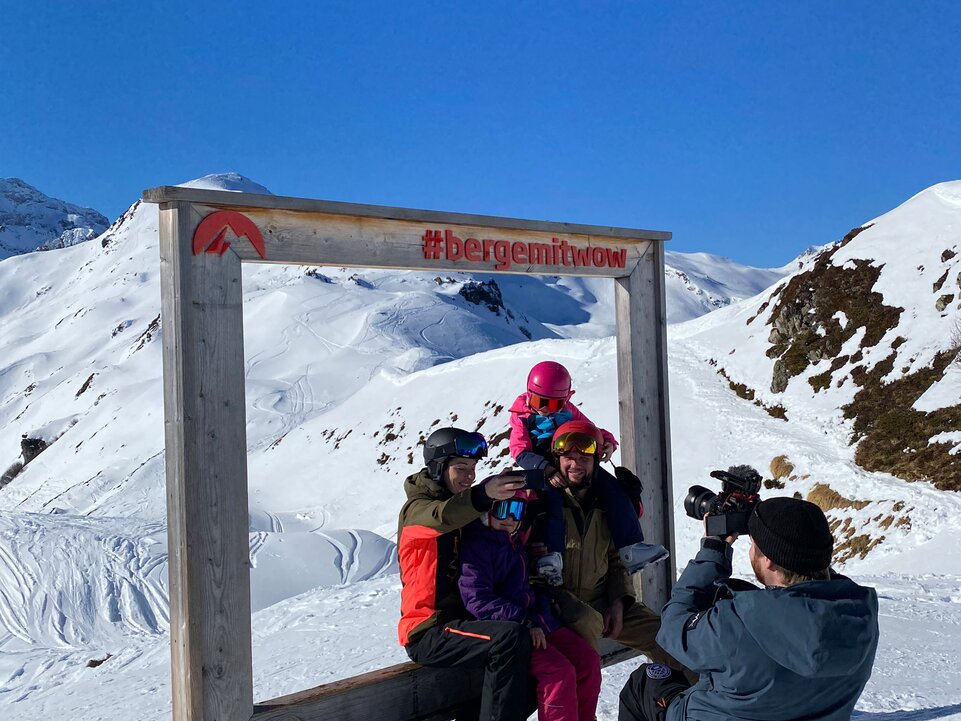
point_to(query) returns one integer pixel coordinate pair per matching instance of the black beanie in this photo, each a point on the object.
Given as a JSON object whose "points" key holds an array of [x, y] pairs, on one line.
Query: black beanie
{"points": [[792, 533]]}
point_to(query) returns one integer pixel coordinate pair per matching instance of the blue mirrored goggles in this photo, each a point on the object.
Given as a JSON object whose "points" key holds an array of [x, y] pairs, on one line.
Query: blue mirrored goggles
{"points": [[467, 445], [511, 508]]}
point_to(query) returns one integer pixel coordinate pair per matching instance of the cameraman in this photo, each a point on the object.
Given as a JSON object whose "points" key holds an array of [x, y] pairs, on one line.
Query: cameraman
{"points": [[802, 647]]}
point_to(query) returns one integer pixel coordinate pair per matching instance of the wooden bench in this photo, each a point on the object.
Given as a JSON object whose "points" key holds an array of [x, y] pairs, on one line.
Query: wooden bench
{"points": [[405, 692]]}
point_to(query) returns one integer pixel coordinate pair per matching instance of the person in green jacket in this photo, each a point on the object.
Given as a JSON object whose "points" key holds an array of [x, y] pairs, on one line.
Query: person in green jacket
{"points": [[597, 597], [435, 629]]}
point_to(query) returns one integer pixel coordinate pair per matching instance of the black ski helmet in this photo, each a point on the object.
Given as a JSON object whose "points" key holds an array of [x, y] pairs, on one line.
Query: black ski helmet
{"points": [[445, 443]]}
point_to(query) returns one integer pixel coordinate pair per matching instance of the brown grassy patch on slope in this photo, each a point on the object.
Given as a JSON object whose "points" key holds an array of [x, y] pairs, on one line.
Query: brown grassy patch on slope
{"points": [[781, 467], [893, 438], [860, 546], [747, 393], [856, 538], [827, 499]]}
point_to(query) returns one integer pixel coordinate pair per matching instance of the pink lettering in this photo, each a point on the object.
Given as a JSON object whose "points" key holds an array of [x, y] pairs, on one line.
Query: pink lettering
{"points": [[539, 253], [616, 258], [472, 250], [454, 245], [502, 255], [438, 244], [488, 244]]}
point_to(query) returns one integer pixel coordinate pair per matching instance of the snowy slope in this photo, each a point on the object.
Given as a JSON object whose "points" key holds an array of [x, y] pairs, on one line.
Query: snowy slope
{"points": [[30, 220], [346, 370], [345, 486]]}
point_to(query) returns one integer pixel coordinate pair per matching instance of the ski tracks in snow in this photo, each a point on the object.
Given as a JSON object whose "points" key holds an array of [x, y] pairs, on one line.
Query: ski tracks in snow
{"points": [[349, 545], [69, 582]]}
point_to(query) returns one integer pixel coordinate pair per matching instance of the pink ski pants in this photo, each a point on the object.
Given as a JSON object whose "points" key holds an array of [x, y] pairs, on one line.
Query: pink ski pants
{"points": [[568, 675]]}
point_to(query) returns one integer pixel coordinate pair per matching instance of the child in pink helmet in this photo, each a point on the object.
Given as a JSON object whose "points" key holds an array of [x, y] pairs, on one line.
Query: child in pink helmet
{"points": [[534, 417]]}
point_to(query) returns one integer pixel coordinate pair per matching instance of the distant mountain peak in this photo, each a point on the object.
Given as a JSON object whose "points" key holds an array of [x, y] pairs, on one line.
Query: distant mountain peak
{"points": [[31, 220], [234, 182]]}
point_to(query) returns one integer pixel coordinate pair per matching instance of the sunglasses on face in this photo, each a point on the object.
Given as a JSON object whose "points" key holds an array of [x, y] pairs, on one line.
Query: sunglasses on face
{"points": [[543, 403], [575, 442], [511, 508]]}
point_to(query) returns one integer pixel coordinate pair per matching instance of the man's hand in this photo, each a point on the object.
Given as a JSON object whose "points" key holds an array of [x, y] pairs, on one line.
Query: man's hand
{"points": [[614, 620], [606, 452], [501, 487], [729, 540], [538, 637], [557, 480]]}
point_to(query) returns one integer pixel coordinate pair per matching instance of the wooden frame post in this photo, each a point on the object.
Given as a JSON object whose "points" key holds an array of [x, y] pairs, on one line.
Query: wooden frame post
{"points": [[204, 237], [641, 316], [206, 457]]}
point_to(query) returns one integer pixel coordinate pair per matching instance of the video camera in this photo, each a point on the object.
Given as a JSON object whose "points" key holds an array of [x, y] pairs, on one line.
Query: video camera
{"points": [[727, 512]]}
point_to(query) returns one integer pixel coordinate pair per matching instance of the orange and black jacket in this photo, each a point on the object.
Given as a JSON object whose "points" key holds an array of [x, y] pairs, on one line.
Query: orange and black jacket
{"points": [[428, 536]]}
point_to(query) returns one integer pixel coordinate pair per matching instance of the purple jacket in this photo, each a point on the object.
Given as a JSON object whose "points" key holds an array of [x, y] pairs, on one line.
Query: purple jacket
{"points": [[494, 579]]}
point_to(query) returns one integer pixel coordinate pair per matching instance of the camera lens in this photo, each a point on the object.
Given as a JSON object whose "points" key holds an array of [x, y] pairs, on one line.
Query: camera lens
{"points": [[699, 501]]}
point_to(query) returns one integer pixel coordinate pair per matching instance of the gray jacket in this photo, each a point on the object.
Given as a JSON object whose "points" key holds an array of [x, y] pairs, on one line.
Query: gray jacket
{"points": [[774, 654]]}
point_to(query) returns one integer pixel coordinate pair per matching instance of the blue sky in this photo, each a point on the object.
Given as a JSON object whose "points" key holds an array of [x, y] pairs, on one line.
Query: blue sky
{"points": [[750, 130]]}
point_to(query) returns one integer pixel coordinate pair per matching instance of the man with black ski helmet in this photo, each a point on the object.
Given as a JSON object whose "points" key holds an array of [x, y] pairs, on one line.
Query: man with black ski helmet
{"points": [[435, 628]]}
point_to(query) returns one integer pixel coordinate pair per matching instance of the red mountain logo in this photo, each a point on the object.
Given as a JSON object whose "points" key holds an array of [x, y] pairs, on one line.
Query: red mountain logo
{"points": [[210, 236]]}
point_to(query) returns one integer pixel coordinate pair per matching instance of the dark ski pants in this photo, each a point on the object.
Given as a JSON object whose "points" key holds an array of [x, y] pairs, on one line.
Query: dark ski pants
{"points": [[649, 691], [502, 648], [620, 510]]}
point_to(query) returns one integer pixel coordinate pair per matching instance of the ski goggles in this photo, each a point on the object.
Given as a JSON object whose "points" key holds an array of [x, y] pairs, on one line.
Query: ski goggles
{"points": [[510, 508], [466, 445], [575, 441], [544, 403]]}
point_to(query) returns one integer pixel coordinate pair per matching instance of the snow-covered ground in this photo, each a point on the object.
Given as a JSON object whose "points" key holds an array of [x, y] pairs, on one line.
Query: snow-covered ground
{"points": [[346, 369]]}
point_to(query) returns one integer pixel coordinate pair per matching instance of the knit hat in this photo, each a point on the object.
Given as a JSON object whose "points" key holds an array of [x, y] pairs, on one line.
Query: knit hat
{"points": [[793, 533]]}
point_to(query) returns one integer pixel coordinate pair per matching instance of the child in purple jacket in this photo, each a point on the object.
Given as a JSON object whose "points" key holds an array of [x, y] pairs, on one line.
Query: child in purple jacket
{"points": [[495, 587]]}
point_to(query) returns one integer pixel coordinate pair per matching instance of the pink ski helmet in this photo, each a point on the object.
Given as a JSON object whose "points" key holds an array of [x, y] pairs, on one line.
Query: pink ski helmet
{"points": [[549, 379]]}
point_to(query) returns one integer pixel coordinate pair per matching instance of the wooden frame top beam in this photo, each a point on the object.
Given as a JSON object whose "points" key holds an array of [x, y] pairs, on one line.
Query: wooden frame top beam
{"points": [[230, 199]]}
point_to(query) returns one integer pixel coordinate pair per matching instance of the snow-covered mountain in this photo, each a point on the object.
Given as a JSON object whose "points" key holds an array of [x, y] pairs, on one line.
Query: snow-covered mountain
{"points": [[865, 338], [698, 283], [30, 220], [347, 370], [81, 328]]}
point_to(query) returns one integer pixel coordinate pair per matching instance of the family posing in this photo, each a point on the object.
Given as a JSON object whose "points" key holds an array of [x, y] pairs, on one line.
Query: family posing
{"points": [[468, 599], [801, 647]]}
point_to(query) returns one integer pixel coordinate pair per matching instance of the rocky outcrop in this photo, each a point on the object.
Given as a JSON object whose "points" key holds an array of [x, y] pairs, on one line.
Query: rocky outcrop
{"points": [[486, 294], [806, 323], [30, 448]]}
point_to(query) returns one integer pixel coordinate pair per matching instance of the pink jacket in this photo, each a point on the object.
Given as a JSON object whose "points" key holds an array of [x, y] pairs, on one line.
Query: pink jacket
{"points": [[520, 440]]}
